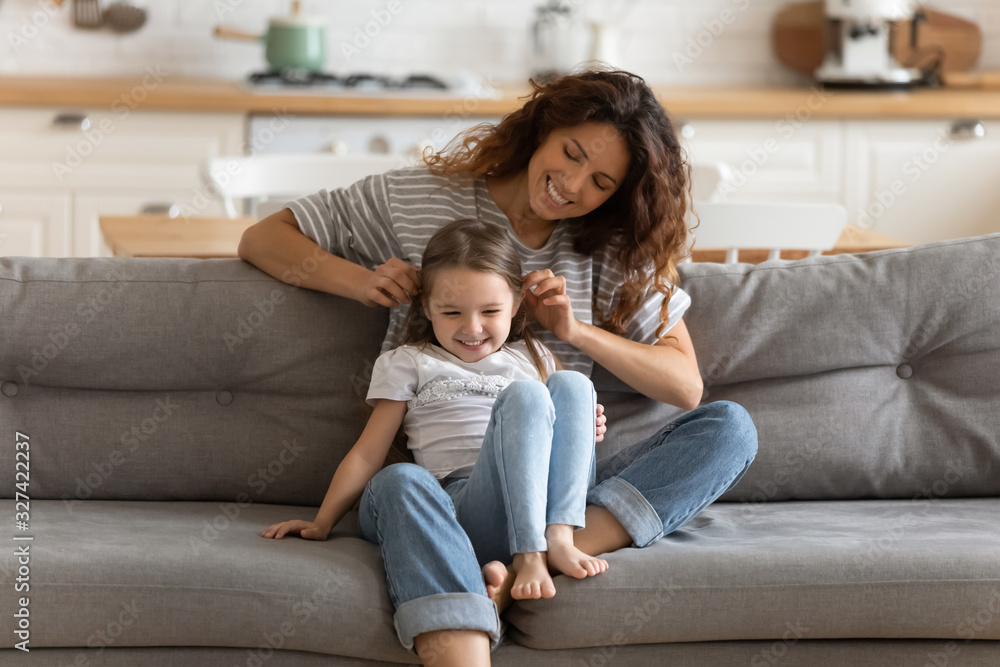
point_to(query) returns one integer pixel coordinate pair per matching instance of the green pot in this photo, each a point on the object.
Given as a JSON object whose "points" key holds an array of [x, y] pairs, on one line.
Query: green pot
{"points": [[295, 43], [291, 42]]}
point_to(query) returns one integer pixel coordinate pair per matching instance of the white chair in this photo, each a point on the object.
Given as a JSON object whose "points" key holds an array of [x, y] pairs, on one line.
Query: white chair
{"points": [[707, 179], [283, 177], [773, 227]]}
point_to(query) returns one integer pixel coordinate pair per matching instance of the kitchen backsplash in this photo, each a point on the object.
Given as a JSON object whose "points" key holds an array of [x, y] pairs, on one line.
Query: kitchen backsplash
{"points": [[667, 41]]}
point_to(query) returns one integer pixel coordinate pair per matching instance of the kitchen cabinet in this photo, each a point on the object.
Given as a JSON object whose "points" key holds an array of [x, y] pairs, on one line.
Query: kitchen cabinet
{"points": [[88, 159], [771, 161], [924, 181], [35, 225], [920, 181]]}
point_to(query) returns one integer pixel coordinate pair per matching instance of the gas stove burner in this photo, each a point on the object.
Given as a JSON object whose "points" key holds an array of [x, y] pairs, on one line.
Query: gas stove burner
{"points": [[423, 81], [360, 84], [367, 81], [293, 77]]}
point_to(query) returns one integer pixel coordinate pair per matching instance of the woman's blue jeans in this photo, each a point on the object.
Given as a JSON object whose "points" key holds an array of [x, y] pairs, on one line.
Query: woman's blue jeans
{"points": [[537, 467]]}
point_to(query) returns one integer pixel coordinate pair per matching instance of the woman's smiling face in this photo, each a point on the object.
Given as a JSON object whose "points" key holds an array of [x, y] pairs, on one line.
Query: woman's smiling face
{"points": [[576, 169]]}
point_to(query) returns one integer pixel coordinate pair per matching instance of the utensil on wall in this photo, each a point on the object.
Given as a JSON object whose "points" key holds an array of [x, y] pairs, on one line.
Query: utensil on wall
{"points": [[124, 16], [293, 42], [87, 14]]}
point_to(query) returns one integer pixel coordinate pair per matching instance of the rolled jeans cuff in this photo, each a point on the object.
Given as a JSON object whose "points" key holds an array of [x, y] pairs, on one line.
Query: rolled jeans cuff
{"points": [[447, 611], [630, 507]]}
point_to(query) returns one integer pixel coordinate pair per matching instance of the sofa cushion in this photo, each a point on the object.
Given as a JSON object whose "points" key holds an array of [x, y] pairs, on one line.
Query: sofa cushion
{"points": [[179, 379], [868, 376], [199, 574], [801, 570], [129, 573]]}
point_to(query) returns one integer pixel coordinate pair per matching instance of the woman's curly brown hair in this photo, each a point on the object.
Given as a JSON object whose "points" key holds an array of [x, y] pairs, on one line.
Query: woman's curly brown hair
{"points": [[644, 221]]}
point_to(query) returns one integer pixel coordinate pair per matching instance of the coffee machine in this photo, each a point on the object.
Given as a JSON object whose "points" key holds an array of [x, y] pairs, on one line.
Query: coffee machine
{"points": [[860, 43]]}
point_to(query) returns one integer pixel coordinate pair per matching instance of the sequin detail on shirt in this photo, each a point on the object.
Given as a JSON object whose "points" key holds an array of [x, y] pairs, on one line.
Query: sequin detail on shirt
{"points": [[449, 388]]}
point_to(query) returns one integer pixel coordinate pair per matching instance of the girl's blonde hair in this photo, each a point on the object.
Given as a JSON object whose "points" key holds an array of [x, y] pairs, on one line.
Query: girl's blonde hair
{"points": [[475, 245]]}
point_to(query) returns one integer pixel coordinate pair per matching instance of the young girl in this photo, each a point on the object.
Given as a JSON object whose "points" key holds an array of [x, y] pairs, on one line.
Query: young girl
{"points": [[508, 437]]}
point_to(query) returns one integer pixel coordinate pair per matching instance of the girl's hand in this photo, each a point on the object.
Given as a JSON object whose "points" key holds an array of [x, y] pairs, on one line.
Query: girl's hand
{"points": [[602, 421], [390, 284], [549, 303], [305, 529]]}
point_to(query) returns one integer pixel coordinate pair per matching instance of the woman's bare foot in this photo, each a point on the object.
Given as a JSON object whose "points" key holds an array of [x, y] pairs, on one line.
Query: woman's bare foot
{"points": [[566, 558], [499, 579], [533, 579]]}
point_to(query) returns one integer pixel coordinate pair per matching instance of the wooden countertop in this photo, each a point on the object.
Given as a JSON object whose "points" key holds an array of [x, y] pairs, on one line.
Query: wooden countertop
{"points": [[164, 93]]}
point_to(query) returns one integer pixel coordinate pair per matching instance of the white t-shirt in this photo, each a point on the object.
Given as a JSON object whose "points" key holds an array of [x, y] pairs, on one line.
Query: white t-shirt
{"points": [[449, 400]]}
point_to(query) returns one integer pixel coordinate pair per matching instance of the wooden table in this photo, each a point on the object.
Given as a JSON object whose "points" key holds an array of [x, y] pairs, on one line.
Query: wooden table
{"points": [[162, 236], [853, 239], [204, 237]]}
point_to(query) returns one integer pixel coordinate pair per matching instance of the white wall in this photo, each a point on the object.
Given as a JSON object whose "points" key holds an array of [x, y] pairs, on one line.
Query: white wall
{"points": [[487, 37]]}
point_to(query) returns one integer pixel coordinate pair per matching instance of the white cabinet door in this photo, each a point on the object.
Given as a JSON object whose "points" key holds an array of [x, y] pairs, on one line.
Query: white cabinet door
{"points": [[920, 182], [35, 225], [771, 161]]}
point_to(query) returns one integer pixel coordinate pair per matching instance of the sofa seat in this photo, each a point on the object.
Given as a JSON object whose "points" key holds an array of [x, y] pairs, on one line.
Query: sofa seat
{"points": [[199, 574], [794, 570]]}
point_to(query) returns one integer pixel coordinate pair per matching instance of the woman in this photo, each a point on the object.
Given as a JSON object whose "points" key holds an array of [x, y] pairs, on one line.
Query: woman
{"points": [[590, 177]]}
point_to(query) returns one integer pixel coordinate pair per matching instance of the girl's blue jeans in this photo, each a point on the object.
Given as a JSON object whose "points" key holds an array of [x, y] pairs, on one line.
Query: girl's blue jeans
{"points": [[537, 467]]}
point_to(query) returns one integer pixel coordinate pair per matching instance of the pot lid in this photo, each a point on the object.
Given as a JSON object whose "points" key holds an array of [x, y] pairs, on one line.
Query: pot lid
{"points": [[298, 20]]}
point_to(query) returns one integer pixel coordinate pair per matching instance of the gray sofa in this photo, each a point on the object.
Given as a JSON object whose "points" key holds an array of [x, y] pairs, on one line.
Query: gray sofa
{"points": [[173, 408]]}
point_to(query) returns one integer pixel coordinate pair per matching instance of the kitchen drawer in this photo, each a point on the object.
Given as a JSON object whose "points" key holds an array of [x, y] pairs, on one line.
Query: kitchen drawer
{"points": [[124, 149], [771, 159], [924, 181]]}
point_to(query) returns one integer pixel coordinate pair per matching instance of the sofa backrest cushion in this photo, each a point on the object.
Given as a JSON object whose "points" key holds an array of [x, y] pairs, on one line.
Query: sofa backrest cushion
{"points": [[868, 376], [178, 379]]}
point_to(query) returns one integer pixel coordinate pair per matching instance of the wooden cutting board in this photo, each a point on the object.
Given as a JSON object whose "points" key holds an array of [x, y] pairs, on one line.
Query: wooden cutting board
{"points": [[799, 36], [990, 79]]}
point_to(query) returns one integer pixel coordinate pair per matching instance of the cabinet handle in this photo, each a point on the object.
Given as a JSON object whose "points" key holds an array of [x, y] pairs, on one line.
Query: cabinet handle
{"points": [[378, 145], [72, 121], [966, 130], [169, 210], [339, 147]]}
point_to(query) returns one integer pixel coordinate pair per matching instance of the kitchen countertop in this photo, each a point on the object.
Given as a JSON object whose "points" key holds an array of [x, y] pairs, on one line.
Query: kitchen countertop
{"points": [[207, 237], [163, 93]]}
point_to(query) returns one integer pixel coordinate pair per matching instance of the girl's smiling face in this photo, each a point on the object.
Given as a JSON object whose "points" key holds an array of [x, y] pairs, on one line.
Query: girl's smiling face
{"points": [[576, 169], [470, 311]]}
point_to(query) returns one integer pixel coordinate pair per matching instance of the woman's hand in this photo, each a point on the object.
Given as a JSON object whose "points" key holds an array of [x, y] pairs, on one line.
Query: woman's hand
{"points": [[602, 422], [549, 303], [390, 284], [305, 529]]}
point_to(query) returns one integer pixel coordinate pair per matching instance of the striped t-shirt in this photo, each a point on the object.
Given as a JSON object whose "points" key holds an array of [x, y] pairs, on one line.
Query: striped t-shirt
{"points": [[394, 214]]}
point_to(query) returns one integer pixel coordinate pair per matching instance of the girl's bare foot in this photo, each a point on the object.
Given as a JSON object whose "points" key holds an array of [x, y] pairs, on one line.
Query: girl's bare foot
{"points": [[499, 579], [566, 558], [533, 579]]}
